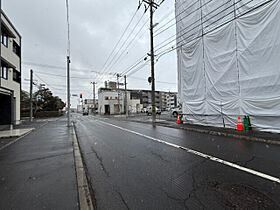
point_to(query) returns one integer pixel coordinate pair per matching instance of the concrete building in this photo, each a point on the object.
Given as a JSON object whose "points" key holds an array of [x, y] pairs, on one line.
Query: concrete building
{"points": [[145, 97], [10, 75], [171, 100], [112, 101]]}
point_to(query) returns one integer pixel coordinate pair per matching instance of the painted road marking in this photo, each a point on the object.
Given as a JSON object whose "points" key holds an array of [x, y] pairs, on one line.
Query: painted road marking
{"points": [[233, 165]]}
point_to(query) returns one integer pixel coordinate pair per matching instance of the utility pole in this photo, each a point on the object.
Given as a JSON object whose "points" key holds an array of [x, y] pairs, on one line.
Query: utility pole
{"points": [[30, 96], [152, 6], [1, 40], [68, 91], [93, 92], [118, 92], [68, 65], [152, 61], [125, 98]]}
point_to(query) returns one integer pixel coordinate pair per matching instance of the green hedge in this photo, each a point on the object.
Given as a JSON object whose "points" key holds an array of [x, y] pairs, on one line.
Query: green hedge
{"points": [[48, 114]]}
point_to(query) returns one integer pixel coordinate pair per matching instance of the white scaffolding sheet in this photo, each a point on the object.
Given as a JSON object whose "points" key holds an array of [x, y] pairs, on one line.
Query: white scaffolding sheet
{"points": [[229, 61]]}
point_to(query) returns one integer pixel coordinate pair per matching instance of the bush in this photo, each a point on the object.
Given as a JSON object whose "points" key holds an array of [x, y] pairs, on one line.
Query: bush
{"points": [[44, 114]]}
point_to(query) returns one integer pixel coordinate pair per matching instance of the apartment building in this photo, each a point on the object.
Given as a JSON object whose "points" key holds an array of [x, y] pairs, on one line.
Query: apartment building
{"points": [[171, 100], [145, 97], [10, 75]]}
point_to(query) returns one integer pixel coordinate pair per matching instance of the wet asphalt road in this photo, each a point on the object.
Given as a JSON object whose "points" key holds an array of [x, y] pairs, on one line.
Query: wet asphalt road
{"points": [[129, 171]]}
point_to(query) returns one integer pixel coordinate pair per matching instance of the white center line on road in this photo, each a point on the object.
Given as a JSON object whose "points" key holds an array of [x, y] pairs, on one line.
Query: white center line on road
{"points": [[215, 159]]}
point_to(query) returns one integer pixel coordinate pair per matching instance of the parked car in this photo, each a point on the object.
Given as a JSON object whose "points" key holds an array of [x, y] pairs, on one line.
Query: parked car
{"points": [[149, 110], [144, 110], [176, 111]]}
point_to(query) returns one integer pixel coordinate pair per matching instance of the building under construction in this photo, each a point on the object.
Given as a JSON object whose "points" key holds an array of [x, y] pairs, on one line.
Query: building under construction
{"points": [[228, 61]]}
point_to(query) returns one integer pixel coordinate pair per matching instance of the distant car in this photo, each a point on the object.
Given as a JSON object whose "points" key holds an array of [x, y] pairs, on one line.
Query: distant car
{"points": [[85, 112], [149, 111], [176, 111]]}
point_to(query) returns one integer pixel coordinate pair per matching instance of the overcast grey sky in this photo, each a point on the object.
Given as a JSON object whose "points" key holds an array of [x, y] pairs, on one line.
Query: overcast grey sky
{"points": [[96, 26]]}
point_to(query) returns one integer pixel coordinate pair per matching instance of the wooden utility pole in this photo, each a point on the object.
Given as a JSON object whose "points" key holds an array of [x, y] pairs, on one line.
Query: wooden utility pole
{"points": [[152, 6], [118, 76], [93, 92], [31, 96], [125, 98], [152, 62]]}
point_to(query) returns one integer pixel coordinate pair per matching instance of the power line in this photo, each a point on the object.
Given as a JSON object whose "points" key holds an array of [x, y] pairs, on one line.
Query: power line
{"points": [[199, 24], [114, 60], [215, 28], [120, 39], [121, 47], [105, 66], [59, 75], [166, 51], [126, 49], [172, 19], [57, 67]]}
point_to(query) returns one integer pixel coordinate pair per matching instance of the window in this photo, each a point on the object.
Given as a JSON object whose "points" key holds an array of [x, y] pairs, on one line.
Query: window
{"points": [[4, 72], [16, 49], [4, 39], [16, 76]]}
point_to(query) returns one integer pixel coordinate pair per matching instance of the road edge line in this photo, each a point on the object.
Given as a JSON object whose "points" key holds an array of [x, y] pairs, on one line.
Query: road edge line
{"points": [[84, 194]]}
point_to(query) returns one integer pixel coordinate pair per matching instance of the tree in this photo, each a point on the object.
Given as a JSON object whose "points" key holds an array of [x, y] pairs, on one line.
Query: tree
{"points": [[43, 100]]}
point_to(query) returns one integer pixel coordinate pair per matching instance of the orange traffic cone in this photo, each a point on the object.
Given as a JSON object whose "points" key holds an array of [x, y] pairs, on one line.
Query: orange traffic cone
{"points": [[178, 119], [239, 124]]}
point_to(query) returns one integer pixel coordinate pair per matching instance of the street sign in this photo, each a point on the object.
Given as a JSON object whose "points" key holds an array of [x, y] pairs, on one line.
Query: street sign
{"points": [[38, 98]]}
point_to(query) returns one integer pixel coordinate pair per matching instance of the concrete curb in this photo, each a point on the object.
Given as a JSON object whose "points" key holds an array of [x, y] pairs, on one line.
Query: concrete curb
{"points": [[85, 199], [216, 133], [18, 135]]}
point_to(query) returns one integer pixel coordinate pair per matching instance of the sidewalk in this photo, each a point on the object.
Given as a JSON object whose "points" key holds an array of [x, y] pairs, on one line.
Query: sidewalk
{"points": [[8, 137], [38, 171], [265, 137]]}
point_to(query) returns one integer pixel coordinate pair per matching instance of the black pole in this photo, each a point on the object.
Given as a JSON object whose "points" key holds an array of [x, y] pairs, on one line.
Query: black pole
{"points": [[30, 96], [152, 63]]}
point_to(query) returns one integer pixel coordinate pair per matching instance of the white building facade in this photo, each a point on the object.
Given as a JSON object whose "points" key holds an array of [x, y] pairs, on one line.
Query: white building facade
{"points": [[10, 75], [110, 101]]}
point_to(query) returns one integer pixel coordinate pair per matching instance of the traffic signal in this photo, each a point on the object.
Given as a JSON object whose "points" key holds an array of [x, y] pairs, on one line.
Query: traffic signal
{"points": [[81, 95]]}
